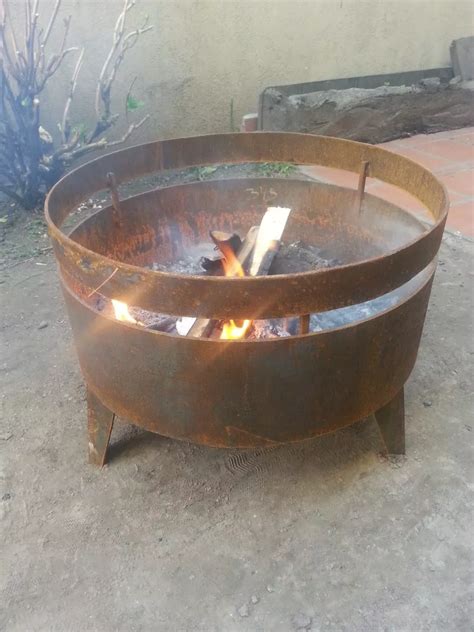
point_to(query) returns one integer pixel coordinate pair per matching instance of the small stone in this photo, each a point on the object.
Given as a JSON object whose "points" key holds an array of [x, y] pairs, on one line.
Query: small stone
{"points": [[301, 621], [270, 588], [427, 403], [254, 599], [43, 324], [6, 496], [243, 610]]}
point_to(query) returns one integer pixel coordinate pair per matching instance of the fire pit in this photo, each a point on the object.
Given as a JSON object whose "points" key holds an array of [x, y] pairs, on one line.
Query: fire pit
{"points": [[342, 330]]}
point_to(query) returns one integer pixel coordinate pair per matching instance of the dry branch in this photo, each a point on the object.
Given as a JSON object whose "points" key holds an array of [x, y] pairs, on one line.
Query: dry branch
{"points": [[66, 126], [30, 162]]}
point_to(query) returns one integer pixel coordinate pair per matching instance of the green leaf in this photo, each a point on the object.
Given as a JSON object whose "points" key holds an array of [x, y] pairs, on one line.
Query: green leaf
{"points": [[207, 171], [81, 131], [133, 104]]}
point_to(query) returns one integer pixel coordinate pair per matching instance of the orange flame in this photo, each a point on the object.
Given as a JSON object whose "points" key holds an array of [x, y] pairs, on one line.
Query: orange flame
{"points": [[231, 265], [230, 329], [121, 312]]}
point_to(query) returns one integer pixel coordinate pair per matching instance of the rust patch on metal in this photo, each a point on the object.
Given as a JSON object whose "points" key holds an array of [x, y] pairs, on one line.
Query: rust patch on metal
{"points": [[265, 297]]}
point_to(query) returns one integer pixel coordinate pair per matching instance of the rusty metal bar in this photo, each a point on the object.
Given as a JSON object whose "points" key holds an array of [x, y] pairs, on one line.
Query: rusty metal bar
{"points": [[304, 323], [112, 184], [391, 422], [364, 169], [100, 421]]}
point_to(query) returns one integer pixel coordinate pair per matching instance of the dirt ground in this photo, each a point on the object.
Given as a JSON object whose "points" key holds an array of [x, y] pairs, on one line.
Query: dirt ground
{"points": [[324, 535]]}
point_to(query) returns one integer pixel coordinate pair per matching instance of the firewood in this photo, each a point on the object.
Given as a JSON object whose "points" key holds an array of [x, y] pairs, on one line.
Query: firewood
{"points": [[255, 255], [202, 327], [268, 239], [215, 266]]}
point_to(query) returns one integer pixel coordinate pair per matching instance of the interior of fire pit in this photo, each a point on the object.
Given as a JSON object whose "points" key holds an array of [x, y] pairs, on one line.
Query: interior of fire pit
{"points": [[167, 230]]}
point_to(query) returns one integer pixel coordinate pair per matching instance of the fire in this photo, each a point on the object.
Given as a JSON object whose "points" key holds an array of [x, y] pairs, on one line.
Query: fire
{"points": [[230, 329], [232, 265], [121, 312], [270, 232], [267, 242]]}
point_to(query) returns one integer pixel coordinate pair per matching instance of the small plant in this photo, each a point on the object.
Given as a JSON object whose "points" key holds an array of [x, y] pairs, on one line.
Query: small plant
{"points": [[31, 159], [272, 169], [203, 173]]}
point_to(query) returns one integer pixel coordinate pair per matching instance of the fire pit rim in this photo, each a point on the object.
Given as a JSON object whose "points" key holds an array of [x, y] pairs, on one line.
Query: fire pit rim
{"points": [[86, 263]]}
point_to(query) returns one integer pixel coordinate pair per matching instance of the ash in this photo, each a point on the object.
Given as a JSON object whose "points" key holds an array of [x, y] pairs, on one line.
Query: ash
{"points": [[185, 265], [299, 256], [262, 329], [346, 315]]}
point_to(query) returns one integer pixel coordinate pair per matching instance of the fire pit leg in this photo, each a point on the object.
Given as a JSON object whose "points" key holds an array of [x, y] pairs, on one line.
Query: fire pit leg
{"points": [[391, 422], [99, 425]]}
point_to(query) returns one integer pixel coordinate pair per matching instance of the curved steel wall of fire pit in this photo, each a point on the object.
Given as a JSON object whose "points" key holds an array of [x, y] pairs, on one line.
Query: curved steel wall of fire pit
{"points": [[221, 297], [247, 393]]}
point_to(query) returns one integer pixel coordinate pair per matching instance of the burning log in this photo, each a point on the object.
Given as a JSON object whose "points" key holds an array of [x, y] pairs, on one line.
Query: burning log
{"points": [[256, 252], [212, 266], [229, 246], [226, 242], [230, 240], [242, 249], [266, 247]]}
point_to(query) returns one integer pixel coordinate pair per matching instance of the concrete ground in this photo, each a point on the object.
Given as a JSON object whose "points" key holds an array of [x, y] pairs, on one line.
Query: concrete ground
{"points": [[324, 535]]}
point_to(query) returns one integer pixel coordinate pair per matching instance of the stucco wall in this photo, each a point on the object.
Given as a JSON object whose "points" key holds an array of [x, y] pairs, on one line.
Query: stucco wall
{"points": [[204, 53]]}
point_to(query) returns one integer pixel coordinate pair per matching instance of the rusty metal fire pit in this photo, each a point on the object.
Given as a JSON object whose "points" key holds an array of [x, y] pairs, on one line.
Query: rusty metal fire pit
{"points": [[248, 393]]}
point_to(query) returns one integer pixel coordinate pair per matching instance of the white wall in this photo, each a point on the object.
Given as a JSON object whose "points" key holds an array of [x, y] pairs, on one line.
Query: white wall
{"points": [[203, 53]]}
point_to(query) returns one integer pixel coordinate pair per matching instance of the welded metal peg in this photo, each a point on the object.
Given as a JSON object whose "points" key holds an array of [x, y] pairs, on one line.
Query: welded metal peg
{"points": [[391, 421], [112, 184], [304, 324], [100, 421], [364, 169]]}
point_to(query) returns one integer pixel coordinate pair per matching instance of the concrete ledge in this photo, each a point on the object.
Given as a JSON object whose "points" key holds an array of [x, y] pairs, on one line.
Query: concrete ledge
{"points": [[371, 113]]}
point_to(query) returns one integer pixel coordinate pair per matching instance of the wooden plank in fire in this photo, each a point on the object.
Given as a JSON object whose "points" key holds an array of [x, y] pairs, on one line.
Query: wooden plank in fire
{"points": [[202, 327], [256, 253]]}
